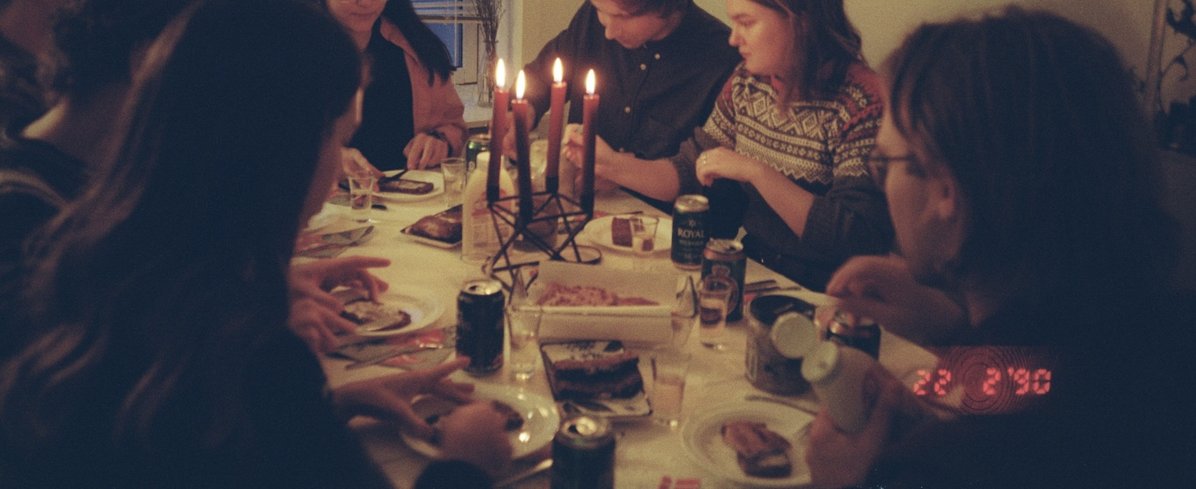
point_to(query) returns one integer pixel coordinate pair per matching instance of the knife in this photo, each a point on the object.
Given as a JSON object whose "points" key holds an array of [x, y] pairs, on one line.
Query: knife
{"points": [[387, 355], [533, 470]]}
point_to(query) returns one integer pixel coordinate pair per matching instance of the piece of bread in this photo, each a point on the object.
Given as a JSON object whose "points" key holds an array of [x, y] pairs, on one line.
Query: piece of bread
{"points": [[404, 186], [620, 231], [592, 370], [362, 312], [513, 420], [759, 451]]}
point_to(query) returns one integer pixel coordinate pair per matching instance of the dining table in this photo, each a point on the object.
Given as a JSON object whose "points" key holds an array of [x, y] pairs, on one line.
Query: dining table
{"points": [[647, 454]]}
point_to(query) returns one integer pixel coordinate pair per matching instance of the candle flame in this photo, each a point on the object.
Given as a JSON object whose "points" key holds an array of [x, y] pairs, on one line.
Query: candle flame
{"points": [[558, 71], [500, 74], [591, 82], [520, 85]]}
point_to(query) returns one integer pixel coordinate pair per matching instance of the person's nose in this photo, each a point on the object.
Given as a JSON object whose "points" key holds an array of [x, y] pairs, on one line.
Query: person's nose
{"points": [[735, 39], [612, 30]]}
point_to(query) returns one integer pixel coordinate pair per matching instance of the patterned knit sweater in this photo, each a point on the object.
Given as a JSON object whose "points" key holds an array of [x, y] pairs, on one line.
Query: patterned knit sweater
{"points": [[821, 146]]}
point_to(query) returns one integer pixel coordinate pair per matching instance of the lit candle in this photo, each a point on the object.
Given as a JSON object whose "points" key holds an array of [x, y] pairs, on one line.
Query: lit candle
{"points": [[522, 149], [498, 130], [590, 108], [555, 126]]}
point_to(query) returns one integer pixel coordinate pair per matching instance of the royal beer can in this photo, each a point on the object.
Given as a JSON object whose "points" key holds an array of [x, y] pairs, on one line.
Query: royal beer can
{"points": [[689, 230], [480, 325], [478, 143], [583, 454], [725, 257]]}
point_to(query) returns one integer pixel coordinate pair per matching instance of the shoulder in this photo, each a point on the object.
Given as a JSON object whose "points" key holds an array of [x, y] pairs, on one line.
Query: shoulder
{"points": [[861, 93]]}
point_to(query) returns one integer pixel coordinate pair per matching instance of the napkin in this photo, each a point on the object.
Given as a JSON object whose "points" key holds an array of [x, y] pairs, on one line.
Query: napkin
{"points": [[328, 245], [368, 349]]}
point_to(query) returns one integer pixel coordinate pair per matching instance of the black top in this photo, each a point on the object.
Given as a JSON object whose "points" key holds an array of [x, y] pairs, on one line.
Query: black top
{"points": [[652, 97], [386, 119]]}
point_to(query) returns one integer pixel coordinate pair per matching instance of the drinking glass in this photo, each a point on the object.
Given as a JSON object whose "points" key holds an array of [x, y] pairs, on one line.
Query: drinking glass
{"points": [[669, 369], [714, 295], [453, 170], [524, 324], [643, 234], [361, 195]]}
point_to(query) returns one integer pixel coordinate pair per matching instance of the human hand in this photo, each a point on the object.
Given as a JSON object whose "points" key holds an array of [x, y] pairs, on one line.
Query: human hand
{"points": [[389, 397], [425, 151], [839, 459], [474, 433], [574, 152], [883, 288], [724, 163], [353, 162], [314, 280], [317, 324], [508, 139]]}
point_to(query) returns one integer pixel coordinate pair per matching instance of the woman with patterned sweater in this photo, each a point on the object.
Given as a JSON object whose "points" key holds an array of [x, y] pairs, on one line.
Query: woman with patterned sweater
{"points": [[783, 152]]}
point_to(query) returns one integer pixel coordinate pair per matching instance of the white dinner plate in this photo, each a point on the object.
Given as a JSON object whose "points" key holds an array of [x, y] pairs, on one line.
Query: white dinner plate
{"points": [[597, 232], [431, 176], [704, 444], [540, 419], [424, 309]]}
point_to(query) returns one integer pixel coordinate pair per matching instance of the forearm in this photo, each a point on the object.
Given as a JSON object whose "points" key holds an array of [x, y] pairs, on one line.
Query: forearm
{"points": [[653, 178], [791, 202]]}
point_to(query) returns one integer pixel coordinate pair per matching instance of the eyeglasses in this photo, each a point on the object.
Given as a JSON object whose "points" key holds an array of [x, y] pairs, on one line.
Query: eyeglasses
{"points": [[878, 165]]}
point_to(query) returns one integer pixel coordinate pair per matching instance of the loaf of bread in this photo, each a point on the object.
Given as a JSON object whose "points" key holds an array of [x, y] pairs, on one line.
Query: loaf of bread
{"points": [[557, 294], [759, 451]]}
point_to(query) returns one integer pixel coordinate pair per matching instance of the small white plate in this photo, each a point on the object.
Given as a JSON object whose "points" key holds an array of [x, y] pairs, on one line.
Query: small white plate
{"points": [[423, 308], [597, 232], [704, 443], [540, 419], [432, 176]]}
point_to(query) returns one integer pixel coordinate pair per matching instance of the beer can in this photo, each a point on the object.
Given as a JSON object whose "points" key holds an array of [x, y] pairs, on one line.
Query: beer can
{"points": [[583, 454], [480, 325], [725, 257], [847, 329], [477, 143], [689, 230]]}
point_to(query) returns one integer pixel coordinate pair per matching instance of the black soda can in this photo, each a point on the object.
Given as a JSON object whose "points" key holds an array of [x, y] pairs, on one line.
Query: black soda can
{"points": [[478, 143], [583, 454], [480, 325], [725, 257], [689, 230]]}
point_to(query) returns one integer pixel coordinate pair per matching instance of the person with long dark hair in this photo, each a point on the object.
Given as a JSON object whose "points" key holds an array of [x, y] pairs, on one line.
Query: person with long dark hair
{"points": [[412, 116], [1021, 179], [161, 356], [782, 154]]}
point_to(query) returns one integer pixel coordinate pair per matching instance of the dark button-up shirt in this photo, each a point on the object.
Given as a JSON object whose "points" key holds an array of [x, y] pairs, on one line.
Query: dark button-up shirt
{"points": [[652, 97]]}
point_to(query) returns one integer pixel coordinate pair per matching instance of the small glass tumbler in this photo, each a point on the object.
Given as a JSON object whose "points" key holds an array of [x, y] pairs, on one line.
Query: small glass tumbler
{"points": [[669, 369], [361, 196], [643, 234], [453, 170], [714, 295], [524, 324]]}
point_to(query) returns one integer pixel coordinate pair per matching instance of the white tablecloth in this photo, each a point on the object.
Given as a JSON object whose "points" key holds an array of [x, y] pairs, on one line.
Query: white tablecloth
{"points": [[646, 452]]}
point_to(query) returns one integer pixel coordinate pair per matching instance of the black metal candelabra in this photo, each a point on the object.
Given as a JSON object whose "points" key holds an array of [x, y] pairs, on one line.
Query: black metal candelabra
{"points": [[551, 210]]}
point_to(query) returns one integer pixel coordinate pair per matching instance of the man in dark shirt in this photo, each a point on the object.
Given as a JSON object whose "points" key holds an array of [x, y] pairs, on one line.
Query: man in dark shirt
{"points": [[659, 67]]}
